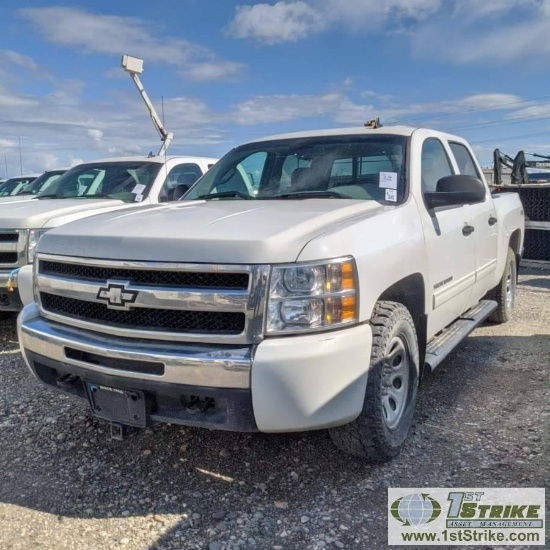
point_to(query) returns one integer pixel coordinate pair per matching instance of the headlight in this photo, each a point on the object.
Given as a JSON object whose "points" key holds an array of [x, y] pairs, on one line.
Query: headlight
{"points": [[34, 237], [309, 297]]}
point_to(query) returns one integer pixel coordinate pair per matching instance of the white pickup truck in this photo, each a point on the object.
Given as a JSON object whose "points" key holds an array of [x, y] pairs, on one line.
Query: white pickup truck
{"points": [[85, 190], [305, 284]]}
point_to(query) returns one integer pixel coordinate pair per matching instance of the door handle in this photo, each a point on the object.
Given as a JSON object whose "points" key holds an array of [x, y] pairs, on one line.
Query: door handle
{"points": [[492, 220], [468, 230]]}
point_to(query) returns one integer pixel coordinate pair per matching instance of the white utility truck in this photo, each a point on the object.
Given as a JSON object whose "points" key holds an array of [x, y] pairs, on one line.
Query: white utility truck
{"points": [[83, 191], [306, 283]]}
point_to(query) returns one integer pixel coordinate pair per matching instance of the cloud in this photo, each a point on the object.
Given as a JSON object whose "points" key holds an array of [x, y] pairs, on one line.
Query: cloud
{"points": [[474, 9], [96, 135], [290, 21], [11, 58], [214, 71], [460, 31], [284, 108], [114, 35], [276, 23], [519, 33]]}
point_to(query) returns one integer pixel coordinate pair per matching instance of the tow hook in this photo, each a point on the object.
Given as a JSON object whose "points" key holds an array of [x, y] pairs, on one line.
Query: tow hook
{"points": [[120, 431], [11, 283]]}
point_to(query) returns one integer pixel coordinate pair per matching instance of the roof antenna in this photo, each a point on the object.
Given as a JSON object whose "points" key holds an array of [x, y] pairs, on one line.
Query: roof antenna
{"points": [[373, 124]]}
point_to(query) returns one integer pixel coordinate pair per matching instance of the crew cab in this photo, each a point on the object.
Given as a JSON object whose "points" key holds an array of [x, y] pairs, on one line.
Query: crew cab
{"points": [[83, 191], [307, 281]]}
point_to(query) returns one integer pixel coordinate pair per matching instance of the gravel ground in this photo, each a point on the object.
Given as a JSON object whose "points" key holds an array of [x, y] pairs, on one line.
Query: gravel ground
{"points": [[482, 420]]}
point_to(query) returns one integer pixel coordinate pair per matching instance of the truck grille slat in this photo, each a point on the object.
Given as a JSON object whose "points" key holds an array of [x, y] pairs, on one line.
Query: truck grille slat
{"points": [[197, 322], [8, 257], [9, 237], [166, 278]]}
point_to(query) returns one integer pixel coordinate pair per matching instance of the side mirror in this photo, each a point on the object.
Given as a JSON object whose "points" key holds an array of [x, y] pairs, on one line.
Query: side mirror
{"points": [[456, 190]]}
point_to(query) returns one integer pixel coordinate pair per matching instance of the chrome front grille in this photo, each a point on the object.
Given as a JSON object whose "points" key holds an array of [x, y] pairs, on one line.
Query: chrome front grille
{"points": [[181, 279], [13, 246], [162, 301], [144, 318]]}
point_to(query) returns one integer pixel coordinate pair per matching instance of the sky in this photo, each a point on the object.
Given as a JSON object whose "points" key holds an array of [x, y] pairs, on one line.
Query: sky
{"points": [[230, 71]]}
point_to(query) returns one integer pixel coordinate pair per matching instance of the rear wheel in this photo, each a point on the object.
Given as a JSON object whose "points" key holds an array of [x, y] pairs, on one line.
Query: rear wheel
{"points": [[505, 292], [380, 430]]}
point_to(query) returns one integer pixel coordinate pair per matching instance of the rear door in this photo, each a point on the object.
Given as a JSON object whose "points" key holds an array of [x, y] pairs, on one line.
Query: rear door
{"points": [[484, 221], [450, 248]]}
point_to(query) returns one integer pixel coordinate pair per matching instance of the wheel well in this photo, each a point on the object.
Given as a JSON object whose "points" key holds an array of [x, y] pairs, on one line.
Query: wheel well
{"points": [[410, 292], [515, 240]]}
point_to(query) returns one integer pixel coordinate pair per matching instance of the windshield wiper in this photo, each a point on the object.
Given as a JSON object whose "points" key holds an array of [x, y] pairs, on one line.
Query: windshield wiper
{"points": [[309, 195], [225, 194], [95, 196], [50, 196]]}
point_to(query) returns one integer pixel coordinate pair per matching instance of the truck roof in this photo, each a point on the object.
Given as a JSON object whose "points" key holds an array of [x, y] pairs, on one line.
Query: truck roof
{"points": [[160, 160], [23, 176], [393, 130]]}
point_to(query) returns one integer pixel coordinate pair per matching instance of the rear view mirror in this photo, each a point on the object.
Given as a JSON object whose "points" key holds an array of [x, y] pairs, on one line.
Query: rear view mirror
{"points": [[456, 190]]}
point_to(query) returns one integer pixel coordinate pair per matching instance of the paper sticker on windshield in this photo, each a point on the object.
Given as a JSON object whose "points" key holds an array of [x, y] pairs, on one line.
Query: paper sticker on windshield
{"points": [[138, 198], [388, 180], [391, 195], [138, 189]]}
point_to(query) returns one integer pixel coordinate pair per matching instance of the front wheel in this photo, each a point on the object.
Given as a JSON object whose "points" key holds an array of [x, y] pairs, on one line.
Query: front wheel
{"points": [[380, 430], [505, 292]]}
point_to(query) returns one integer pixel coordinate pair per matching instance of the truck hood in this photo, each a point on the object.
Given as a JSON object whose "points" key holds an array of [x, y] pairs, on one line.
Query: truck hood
{"points": [[35, 214], [232, 231]]}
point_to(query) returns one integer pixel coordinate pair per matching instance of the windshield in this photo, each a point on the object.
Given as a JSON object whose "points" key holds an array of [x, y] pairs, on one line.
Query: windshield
{"points": [[14, 186], [127, 181], [41, 183], [345, 167]]}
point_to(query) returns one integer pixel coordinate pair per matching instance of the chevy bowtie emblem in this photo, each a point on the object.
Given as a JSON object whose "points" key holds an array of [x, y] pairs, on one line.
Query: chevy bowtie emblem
{"points": [[117, 295]]}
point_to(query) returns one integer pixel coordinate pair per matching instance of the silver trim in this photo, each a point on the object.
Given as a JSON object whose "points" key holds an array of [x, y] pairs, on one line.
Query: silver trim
{"points": [[184, 364], [250, 302]]}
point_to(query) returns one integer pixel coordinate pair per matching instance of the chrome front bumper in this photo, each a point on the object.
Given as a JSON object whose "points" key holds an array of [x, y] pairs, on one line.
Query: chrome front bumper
{"points": [[215, 366]]}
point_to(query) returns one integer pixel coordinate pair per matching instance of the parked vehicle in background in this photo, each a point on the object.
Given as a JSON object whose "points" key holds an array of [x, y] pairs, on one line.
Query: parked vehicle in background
{"points": [[539, 177], [305, 282], [82, 191], [13, 186], [32, 189]]}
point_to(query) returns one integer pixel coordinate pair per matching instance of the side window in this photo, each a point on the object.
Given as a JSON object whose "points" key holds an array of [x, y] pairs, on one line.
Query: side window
{"points": [[434, 164], [182, 174], [464, 160]]}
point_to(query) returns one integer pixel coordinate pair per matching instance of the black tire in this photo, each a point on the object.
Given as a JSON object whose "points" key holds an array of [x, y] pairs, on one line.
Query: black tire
{"points": [[372, 435], [505, 292]]}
